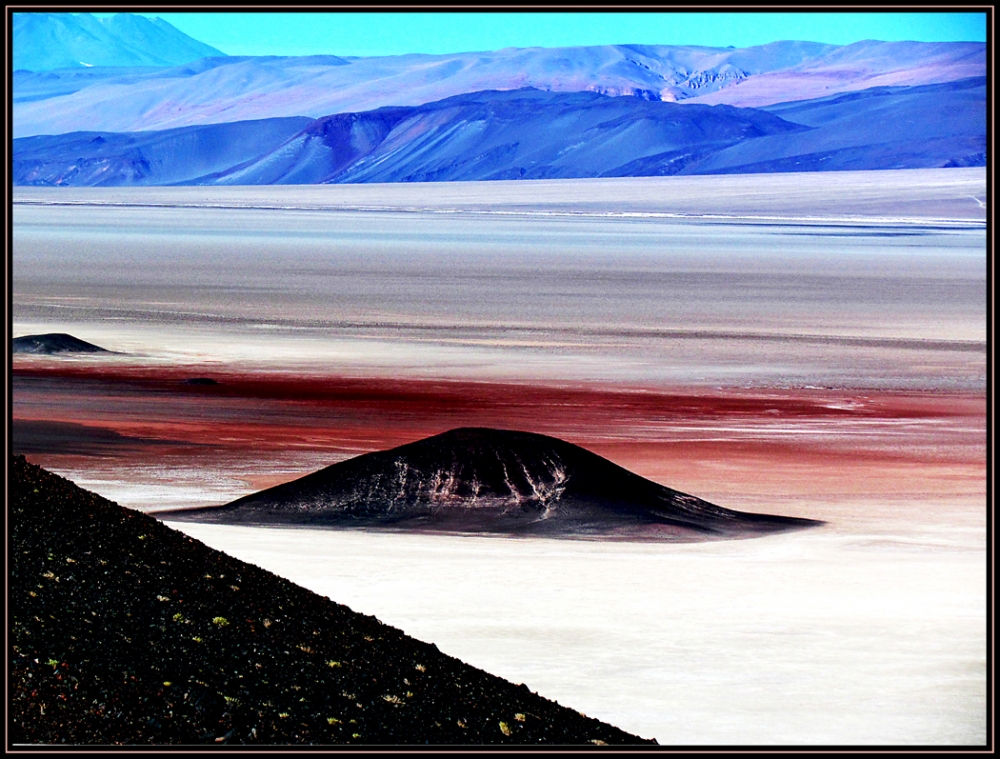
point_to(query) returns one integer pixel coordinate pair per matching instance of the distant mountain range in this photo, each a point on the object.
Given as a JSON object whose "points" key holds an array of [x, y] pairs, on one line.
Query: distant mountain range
{"points": [[251, 88], [47, 41], [620, 110], [529, 134]]}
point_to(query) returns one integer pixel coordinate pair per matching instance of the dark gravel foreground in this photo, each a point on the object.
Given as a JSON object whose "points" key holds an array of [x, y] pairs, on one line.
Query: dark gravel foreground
{"points": [[125, 631]]}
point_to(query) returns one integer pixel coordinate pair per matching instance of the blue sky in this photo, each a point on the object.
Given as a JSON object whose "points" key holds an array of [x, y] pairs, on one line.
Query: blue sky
{"points": [[395, 33]]}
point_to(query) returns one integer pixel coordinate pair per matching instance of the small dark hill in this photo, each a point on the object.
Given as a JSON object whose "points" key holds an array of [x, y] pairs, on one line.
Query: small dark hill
{"points": [[491, 481], [124, 631], [54, 342]]}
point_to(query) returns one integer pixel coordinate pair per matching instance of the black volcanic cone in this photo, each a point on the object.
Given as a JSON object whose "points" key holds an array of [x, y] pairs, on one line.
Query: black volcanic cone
{"points": [[124, 631], [484, 480], [54, 342]]}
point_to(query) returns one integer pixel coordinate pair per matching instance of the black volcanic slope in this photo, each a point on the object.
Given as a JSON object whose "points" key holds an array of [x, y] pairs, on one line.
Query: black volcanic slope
{"points": [[55, 342], [124, 631], [485, 480]]}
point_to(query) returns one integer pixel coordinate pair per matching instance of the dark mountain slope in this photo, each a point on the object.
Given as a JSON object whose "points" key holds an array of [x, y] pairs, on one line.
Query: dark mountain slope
{"points": [[124, 631], [484, 480]]}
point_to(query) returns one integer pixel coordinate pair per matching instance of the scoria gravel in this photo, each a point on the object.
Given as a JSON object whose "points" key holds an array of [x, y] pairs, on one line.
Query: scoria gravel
{"points": [[125, 631]]}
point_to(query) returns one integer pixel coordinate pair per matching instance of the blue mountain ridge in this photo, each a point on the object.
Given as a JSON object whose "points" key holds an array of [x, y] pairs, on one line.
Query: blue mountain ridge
{"points": [[520, 134], [31, 86], [47, 41], [222, 89], [531, 134], [106, 159], [934, 125]]}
